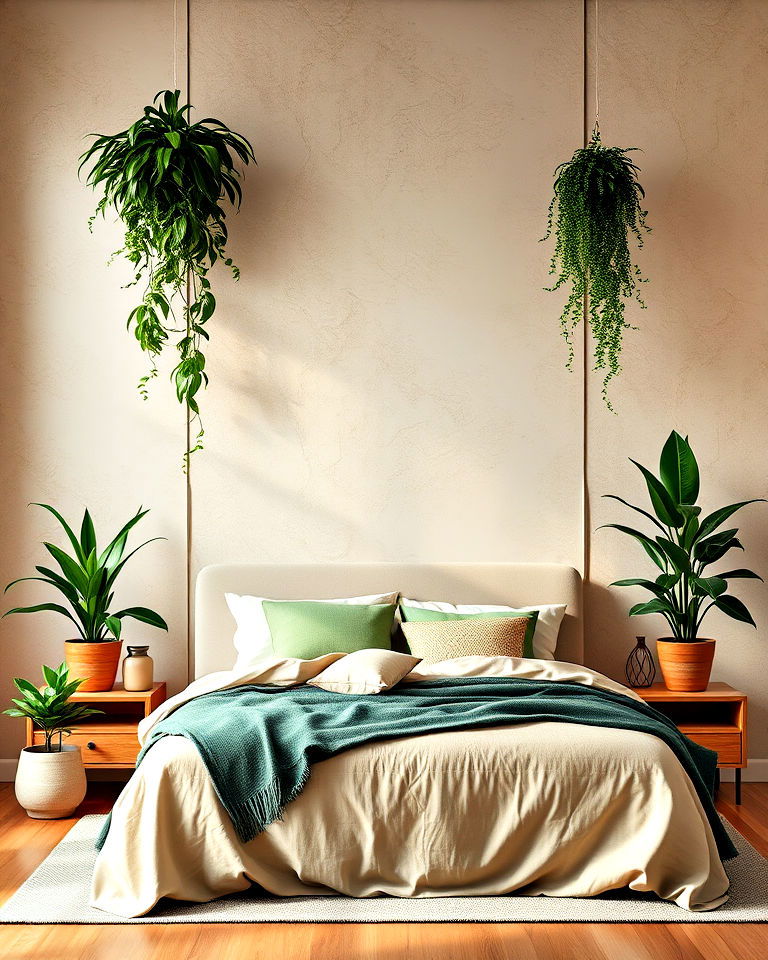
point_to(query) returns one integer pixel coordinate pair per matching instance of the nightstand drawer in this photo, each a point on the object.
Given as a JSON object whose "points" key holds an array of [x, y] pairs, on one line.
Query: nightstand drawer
{"points": [[727, 744], [101, 748]]}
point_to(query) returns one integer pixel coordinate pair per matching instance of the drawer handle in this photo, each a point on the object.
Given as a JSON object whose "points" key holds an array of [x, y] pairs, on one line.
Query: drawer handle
{"points": [[91, 745]]}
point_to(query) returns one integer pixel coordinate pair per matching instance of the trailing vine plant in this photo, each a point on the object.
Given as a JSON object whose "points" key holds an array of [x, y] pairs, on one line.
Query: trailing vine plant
{"points": [[594, 213], [167, 179]]}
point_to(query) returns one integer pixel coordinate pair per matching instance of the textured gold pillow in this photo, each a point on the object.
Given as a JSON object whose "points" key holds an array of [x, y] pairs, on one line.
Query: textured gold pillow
{"points": [[435, 640]]}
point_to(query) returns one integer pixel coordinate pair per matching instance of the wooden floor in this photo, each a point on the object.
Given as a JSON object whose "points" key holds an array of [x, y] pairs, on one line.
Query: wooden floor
{"points": [[26, 842]]}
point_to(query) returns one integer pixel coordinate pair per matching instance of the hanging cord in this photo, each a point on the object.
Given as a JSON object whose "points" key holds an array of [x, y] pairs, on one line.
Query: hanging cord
{"points": [[596, 128], [175, 42]]}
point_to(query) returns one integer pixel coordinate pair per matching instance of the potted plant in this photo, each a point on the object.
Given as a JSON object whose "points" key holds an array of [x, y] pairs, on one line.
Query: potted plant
{"points": [[169, 181], [86, 580], [686, 546], [595, 214], [50, 779]]}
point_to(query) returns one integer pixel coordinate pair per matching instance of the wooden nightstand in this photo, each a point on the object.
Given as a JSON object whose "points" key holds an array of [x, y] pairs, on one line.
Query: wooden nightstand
{"points": [[109, 740], [715, 718]]}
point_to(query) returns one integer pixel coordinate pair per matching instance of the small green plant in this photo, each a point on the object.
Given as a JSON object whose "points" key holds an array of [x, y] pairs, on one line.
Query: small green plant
{"points": [[595, 208], [683, 593], [48, 707], [86, 579], [166, 178]]}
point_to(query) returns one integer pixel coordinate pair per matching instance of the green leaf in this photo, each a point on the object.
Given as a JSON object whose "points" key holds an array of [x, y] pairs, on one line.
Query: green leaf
{"points": [[668, 580], [711, 586], [647, 544], [713, 548], [212, 156], [67, 529], [51, 677], [690, 531], [145, 615], [735, 609], [50, 607], [713, 521], [27, 688], [72, 571], [163, 159], [678, 470], [114, 624], [654, 588], [173, 138], [116, 570], [740, 574], [651, 606], [677, 556], [612, 496], [115, 545], [663, 505], [87, 535]]}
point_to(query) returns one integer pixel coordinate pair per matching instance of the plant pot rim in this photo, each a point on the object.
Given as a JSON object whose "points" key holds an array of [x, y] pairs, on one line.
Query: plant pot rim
{"points": [[686, 642], [93, 643], [39, 750]]}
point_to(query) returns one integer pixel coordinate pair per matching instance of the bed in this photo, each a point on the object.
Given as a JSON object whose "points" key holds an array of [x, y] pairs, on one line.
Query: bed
{"points": [[542, 808]]}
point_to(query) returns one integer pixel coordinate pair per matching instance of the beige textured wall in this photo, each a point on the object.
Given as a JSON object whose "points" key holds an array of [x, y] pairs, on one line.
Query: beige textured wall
{"points": [[688, 82], [72, 428], [387, 379]]}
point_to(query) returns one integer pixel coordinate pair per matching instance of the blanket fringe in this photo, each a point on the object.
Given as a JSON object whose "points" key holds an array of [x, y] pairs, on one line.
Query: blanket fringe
{"points": [[254, 814]]}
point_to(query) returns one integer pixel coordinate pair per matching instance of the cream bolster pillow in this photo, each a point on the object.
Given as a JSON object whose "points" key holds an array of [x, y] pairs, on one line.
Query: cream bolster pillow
{"points": [[436, 640], [547, 625], [365, 671], [253, 640]]}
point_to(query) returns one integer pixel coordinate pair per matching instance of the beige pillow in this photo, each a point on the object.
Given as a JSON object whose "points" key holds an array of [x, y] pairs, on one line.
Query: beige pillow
{"points": [[435, 640], [365, 671]]}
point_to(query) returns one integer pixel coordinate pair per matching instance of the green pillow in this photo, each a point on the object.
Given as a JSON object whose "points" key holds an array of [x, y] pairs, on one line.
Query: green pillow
{"points": [[420, 614], [307, 629]]}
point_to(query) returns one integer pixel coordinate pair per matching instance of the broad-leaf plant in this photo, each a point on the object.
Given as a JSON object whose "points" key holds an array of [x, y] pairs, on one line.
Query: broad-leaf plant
{"points": [[168, 179], [684, 546], [86, 577], [48, 707], [594, 214]]}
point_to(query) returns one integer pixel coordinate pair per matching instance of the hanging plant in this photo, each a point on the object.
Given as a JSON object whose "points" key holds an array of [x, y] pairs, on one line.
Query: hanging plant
{"points": [[594, 213], [167, 178]]}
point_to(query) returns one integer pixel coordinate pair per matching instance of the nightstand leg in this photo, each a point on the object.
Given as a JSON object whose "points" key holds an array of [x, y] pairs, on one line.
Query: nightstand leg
{"points": [[738, 786]]}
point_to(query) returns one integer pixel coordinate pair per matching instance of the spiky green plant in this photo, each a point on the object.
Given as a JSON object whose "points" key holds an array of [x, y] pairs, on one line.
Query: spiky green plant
{"points": [[49, 708], [595, 210], [684, 593], [166, 178], [86, 579]]}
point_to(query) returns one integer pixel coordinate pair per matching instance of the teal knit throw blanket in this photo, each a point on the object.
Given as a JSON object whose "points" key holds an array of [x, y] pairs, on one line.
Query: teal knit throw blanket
{"points": [[259, 743]]}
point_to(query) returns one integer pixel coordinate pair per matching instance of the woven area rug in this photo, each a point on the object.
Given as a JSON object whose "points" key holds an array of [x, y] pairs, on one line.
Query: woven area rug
{"points": [[57, 892]]}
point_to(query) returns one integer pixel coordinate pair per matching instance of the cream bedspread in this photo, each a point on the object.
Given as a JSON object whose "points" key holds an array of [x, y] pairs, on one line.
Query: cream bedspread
{"points": [[538, 808]]}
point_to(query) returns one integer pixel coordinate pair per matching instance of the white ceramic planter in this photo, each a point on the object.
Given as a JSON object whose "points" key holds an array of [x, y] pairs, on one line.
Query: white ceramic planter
{"points": [[50, 785]]}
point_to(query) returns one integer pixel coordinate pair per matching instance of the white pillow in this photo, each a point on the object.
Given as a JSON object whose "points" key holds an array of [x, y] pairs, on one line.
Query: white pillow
{"points": [[365, 671], [547, 625], [253, 641]]}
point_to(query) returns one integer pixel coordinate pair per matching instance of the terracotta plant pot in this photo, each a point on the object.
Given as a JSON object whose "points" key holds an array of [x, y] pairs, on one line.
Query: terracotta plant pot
{"points": [[93, 663], [50, 785], [686, 666]]}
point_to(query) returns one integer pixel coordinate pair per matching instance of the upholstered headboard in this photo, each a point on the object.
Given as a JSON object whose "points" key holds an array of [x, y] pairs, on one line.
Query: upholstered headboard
{"points": [[503, 583]]}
